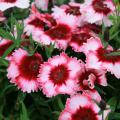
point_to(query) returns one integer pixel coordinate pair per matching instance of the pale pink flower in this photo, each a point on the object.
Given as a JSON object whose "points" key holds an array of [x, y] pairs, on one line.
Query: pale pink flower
{"points": [[81, 107], [6, 4], [36, 24], [96, 11], [79, 38], [58, 75], [87, 80], [60, 35], [42, 4], [102, 59], [73, 9], [24, 69]]}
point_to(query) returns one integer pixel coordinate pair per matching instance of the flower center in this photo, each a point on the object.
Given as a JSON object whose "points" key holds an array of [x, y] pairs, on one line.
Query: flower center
{"points": [[87, 80], [74, 10], [80, 38], [29, 67], [102, 54], [100, 7], [59, 74], [84, 113], [37, 23], [61, 31]]}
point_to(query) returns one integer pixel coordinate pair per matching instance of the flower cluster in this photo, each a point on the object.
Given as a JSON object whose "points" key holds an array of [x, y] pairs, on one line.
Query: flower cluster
{"points": [[76, 26]]}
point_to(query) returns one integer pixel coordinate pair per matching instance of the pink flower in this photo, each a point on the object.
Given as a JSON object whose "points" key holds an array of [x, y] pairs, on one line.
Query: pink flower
{"points": [[87, 80], [73, 9], [58, 75], [5, 4], [79, 38], [59, 35], [96, 11], [4, 45], [24, 69], [80, 107], [42, 4], [101, 58], [36, 24], [2, 18]]}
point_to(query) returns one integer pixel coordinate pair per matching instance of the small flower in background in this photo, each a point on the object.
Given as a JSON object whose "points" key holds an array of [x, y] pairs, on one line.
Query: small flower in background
{"points": [[24, 69], [80, 107], [97, 11], [6, 4], [58, 76], [73, 9], [42, 4]]}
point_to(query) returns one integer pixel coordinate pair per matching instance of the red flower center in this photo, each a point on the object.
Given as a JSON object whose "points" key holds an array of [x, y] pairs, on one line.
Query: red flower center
{"points": [[104, 56], [59, 74], [100, 6], [29, 67], [95, 28], [74, 10], [61, 31], [80, 38], [4, 47], [88, 79], [10, 1], [84, 114], [37, 23]]}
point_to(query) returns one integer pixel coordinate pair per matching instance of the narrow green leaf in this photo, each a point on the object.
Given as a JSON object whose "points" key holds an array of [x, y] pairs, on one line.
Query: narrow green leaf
{"points": [[6, 34], [23, 112], [113, 102]]}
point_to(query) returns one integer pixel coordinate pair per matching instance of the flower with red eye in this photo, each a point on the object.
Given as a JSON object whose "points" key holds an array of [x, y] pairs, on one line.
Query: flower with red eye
{"points": [[6, 4], [87, 80], [24, 69], [59, 35], [99, 10], [81, 107], [72, 9], [58, 75], [103, 58], [79, 38]]}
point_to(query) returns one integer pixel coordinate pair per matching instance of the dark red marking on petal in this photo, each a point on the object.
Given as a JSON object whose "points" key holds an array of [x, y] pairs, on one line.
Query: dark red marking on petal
{"points": [[37, 23], [60, 31], [80, 38], [84, 113], [50, 19], [59, 74], [29, 66], [10, 1], [95, 28], [74, 10], [5, 46], [103, 56], [101, 7], [85, 76]]}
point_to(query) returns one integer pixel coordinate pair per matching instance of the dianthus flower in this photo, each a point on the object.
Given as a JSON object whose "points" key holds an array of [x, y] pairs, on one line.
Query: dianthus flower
{"points": [[24, 69], [58, 75]]}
